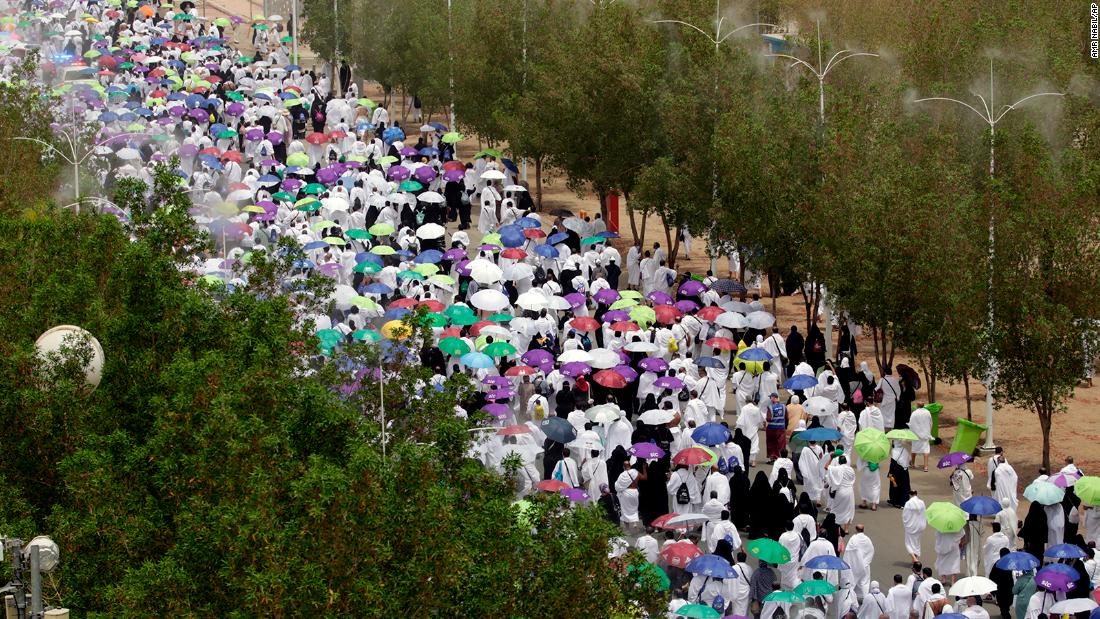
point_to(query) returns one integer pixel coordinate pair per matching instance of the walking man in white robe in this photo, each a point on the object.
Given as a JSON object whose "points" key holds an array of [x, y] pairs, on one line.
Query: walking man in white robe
{"points": [[859, 553], [813, 475], [841, 480], [914, 522]]}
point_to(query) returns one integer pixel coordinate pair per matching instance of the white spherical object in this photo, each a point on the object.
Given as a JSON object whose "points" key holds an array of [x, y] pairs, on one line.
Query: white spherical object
{"points": [[55, 339], [48, 552]]}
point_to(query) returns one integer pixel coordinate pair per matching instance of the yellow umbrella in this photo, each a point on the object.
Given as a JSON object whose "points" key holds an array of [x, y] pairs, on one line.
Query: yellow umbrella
{"points": [[254, 209], [383, 250], [395, 330]]}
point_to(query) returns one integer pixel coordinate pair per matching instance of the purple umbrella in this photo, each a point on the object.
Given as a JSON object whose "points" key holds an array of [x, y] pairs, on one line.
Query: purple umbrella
{"points": [[488, 247], [327, 176], [188, 150], [646, 451], [166, 120], [177, 110], [235, 109], [425, 174], [660, 298], [269, 162], [329, 269], [463, 267], [456, 253], [576, 300], [499, 381], [691, 288], [453, 176], [574, 369], [607, 296], [291, 184], [500, 411], [653, 364], [686, 306], [199, 114], [408, 151], [669, 382], [616, 316], [954, 459], [500, 394], [275, 138], [398, 173], [574, 494], [1057, 577], [537, 356], [255, 134], [627, 372]]}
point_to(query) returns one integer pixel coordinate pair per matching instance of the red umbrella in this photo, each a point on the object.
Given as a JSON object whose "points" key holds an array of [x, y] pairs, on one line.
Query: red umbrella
{"points": [[338, 134], [722, 343], [450, 332], [710, 313], [317, 138], [232, 155], [520, 370], [402, 303], [551, 485], [667, 314], [661, 522], [210, 150], [610, 379], [534, 233], [624, 326], [584, 323], [513, 253], [691, 456], [432, 305], [517, 429], [453, 165], [475, 329], [679, 554]]}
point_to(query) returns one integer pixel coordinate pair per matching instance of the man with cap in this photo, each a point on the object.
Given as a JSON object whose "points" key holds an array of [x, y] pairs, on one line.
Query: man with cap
{"points": [[776, 430]]}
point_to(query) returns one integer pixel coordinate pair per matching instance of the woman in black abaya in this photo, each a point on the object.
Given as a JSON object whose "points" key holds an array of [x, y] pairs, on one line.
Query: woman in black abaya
{"points": [[1034, 531], [739, 498], [760, 506]]}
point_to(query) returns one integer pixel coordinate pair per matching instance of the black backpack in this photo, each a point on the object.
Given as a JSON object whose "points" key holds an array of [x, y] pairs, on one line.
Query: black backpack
{"points": [[683, 495]]}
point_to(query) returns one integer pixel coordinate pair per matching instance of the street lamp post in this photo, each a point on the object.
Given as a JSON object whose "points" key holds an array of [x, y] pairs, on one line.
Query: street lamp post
{"points": [[991, 116], [821, 71]]}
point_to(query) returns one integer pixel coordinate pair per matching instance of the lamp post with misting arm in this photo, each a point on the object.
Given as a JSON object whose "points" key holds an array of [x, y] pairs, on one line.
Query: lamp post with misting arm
{"points": [[821, 71], [991, 116]]}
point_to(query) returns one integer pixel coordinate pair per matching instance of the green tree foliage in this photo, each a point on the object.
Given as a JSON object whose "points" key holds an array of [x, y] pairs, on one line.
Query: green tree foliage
{"points": [[26, 110]]}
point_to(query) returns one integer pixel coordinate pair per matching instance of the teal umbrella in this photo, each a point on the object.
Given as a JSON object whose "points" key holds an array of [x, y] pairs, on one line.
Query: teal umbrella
{"points": [[697, 611]]}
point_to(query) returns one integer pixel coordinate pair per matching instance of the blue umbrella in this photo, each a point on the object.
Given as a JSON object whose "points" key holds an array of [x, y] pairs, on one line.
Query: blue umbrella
{"points": [[1017, 562], [108, 117], [512, 236], [438, 125], [480, 361], [709, 362], [755, 354], [982, 506], [292, 67], [555, 428], [366, 256], [393, 134], [799, 382], [315, 245], [950, 616], [711, 434], [712, 566], [547, 251], [396, 313], [378, 288], [528, 223], [429, 151], [819, 434], [607, 234], [556, 238], [827, 562], [429, 256], [511, 165], [268, 179], [303, 264], [1064, 551]]}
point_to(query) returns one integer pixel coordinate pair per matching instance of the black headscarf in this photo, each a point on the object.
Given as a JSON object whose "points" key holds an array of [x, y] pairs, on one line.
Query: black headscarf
{"points": [[831, 531], [806, 506], [745, 444], [616, 464], [724, 550]]}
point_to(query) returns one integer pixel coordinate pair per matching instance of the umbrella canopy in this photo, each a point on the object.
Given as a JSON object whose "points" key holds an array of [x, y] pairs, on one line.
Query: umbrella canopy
{"points": [[981, 506], [814, 588], [694, 456], [954, 458], [820, 434], [1073, 606], [697, 611], [971, 586], [1088, 490], [1017, 562], [1057, 577], [827, 562], [901, 434], [558, 429], [711, 434], [872, 445], [1065, 551], [800, 382], [711, 565], [489, 300], [769, 551], [679, 554], [945, 517], [646, 451], [1044, 492]]}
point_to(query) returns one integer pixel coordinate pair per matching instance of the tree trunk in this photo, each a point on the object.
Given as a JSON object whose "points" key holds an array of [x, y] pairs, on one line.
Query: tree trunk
{"points": [[773, 284], [668, 241], [966, 391], [809, 301], [633, 225], [538, 183], [602, 196], [878, 351], [741, 275], [1046, 412]]}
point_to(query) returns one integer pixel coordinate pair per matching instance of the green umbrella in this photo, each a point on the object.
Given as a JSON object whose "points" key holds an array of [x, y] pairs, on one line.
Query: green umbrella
{"points": [[872, 445], [426, 269], [298, 159], [454, 346], [900, 434], [1088, 490], [641, 313], [649, 572], [234, 95], [451, 138], [623, 304], [222, 22], [493, 238], [697, 611], [314, 189], [367, 267], [381, 229], [439, 278], [406, 274], [334, 240], [308, 207], [358, 233], [363, 302], [227, 134], [388, 159], [489, 152], [630, 294], [366, 335], [410, 186], [383, 250], [499, 349], [769, 551], [458, 310], [286, 39], [783, 596], [592, 240], [434, 319], [366, 102], [329, 337], [463, 319], [811, 588], [500, 317], [324, 223], [945, 517]]}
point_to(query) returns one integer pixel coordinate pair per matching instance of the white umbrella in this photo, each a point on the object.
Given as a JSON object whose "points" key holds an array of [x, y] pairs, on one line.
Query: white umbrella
{"points": [[533, 300], [657, 417], [576, 354], [602, 413], [760, 320], [587, 441], [128, 154], [489, 300], [431, 197], [240, 194], [574, 224], [274, 18], [820, 406], [430, 231], [492, 175], [604, 358], [335, 204], [731, 320], [342, 295], [1073, 606], [971, 586], [641, 347], [689, 520], [426, 128], [484, 272], [515, 188], [496, 331], [559, 303], [736, 306], [520, 270]]}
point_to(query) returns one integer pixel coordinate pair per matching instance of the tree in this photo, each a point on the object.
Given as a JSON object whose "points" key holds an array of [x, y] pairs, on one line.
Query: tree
{"points": [[26, 111]]}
